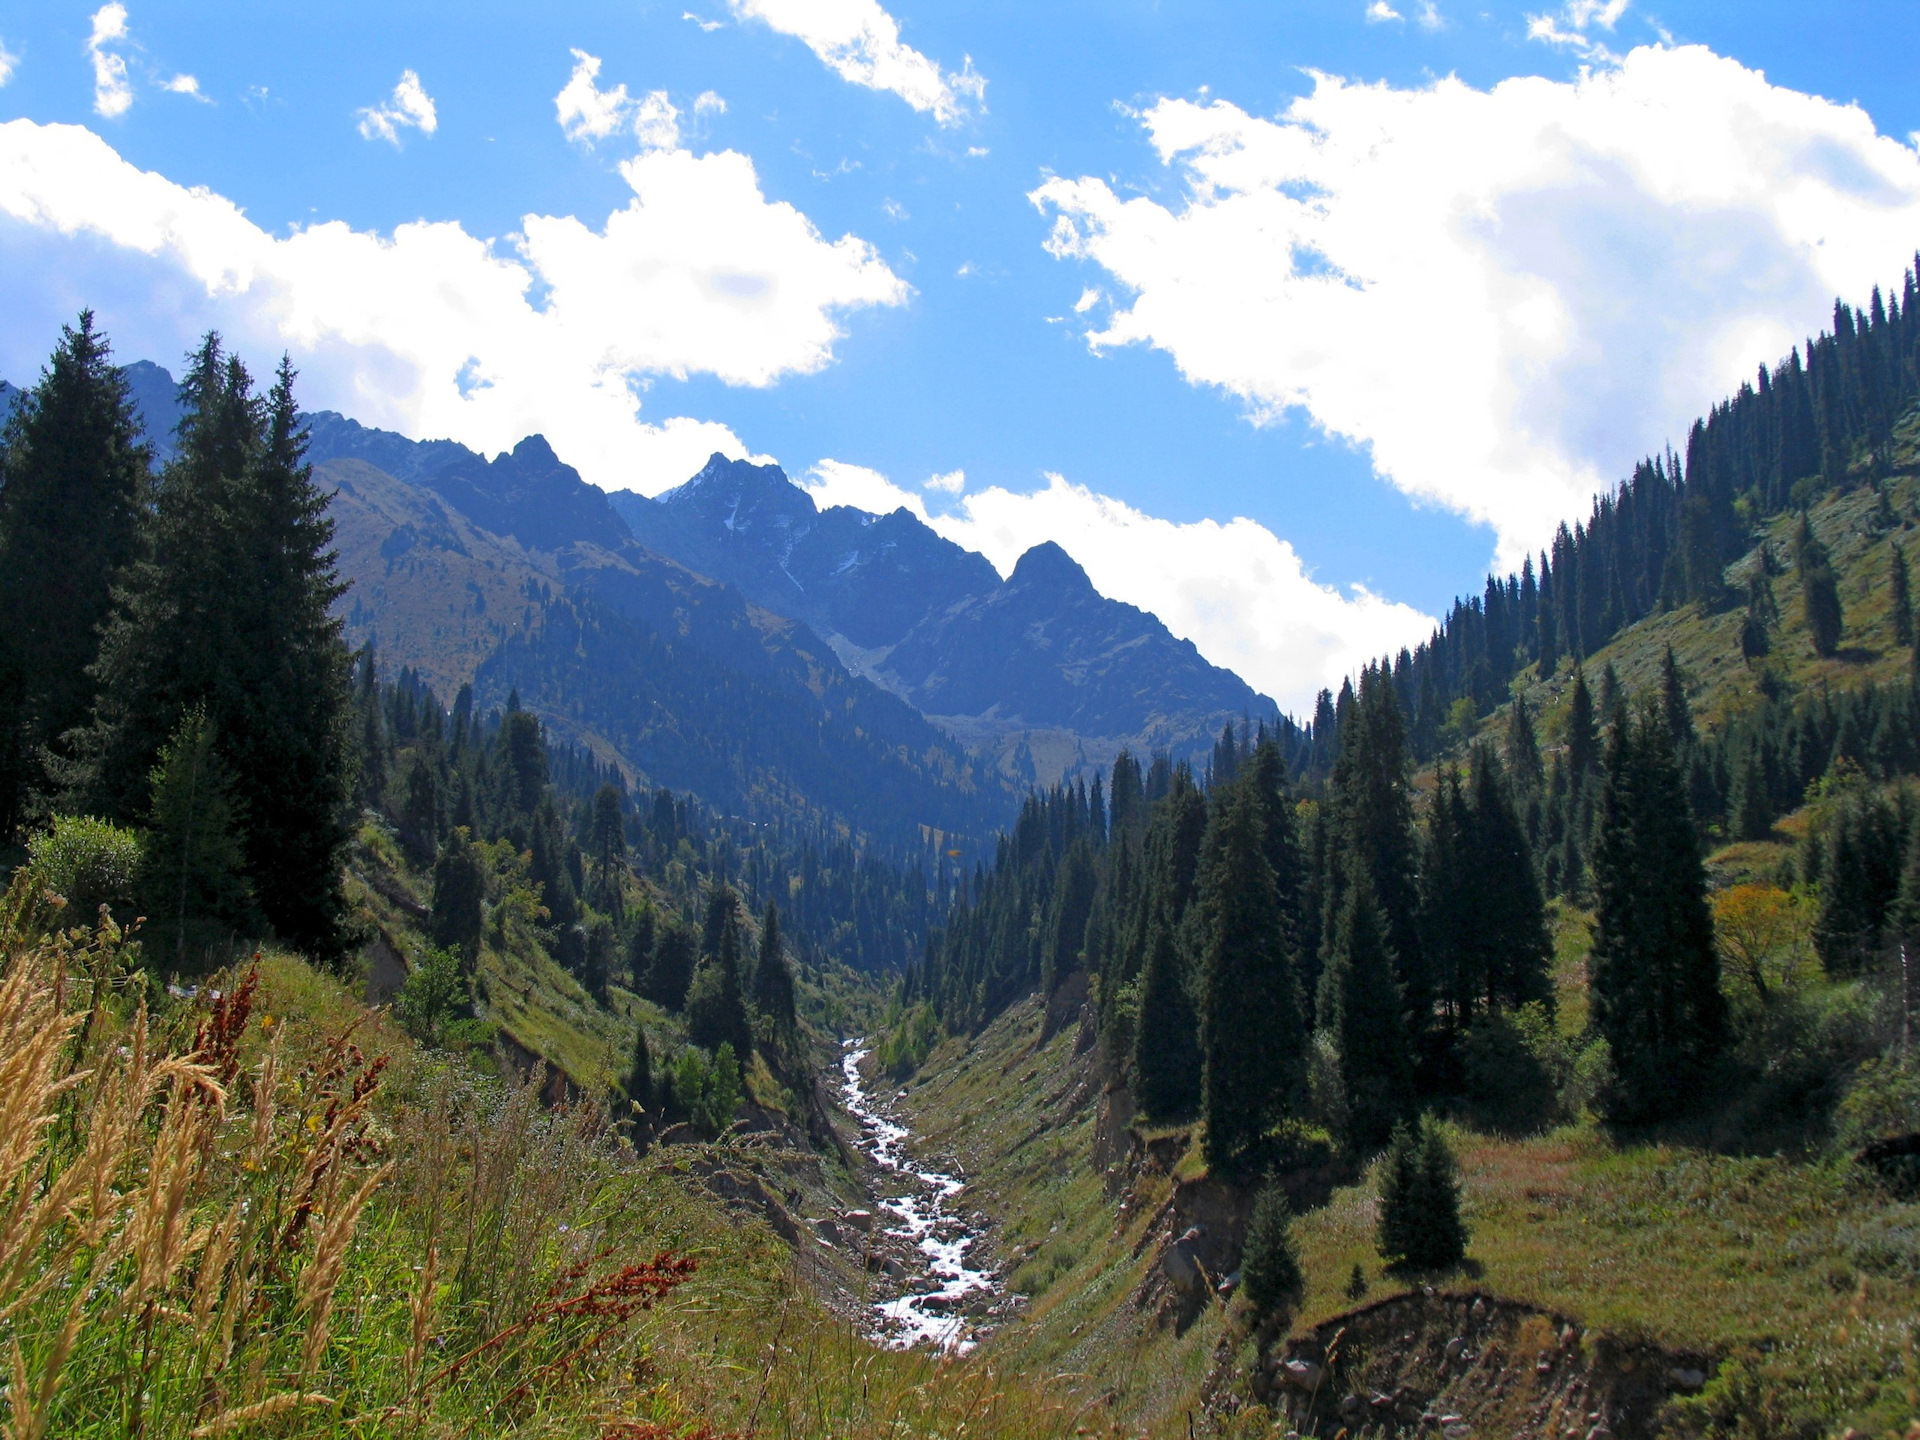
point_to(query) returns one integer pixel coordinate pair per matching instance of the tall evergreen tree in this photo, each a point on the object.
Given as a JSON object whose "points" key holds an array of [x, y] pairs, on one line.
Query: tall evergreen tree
{"points": [[1654, 974], [1673, 703], [73, 488], [1361, 1007], [1583, 743], [638, 1082], [459, 890], [192, 879], [1252, 1030], [1900, 589], [607, 839], [1167, 1063], [1523, 750], [773, 985], [1819, 589], [716, 1002]]}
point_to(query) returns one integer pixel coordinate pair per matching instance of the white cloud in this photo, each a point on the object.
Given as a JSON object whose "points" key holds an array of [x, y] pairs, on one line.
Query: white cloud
{"points": [[7, 62], [1505, 295], [112, 91], [409, 107], [183, 85], [1604, 13], [1579, 16], [707, 25], [1380, 12], [860, 42], [1430, 17], [951, 483], [588, 113], [430, 330], [709, 102], [1089, 297], [1237, 590], [585, 111]]}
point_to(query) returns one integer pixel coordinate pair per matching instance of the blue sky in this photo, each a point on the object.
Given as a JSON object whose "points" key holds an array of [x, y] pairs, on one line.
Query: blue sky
{"points": [[1369, 293]]}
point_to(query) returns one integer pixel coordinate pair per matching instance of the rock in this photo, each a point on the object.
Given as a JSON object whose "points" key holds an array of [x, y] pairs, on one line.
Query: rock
{"points": [[1479, 1310], [1301, 1374], [828, 1231], [1179, 1265], [1461, 1431], [1230, 1284], [1685, 1378], [861, 1220], [1456, 1347], [1353, 1407], [1599, 1432], [1380, 1403]]}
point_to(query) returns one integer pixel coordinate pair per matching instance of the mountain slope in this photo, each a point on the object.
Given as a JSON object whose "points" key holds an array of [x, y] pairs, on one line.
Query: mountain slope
{"points": [[1040, 651]]}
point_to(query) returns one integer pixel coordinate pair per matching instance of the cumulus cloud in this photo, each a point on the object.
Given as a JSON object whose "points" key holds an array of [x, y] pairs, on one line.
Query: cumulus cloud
{"points": [[7, 61], [585, 111], [1379, 12], [860, 42], [1236, 590], [183, 85], [409, 107], [431, 330], [709, 102], [951, 483], [112, 90], [1504, 295]]}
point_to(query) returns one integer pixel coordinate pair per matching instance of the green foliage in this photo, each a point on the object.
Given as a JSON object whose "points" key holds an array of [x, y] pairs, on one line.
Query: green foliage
{"points": [[907, 1040], [230, 611], [704, 1090], [73, 484], [716, 1003], [1269, 1263], [433, 996], [1420, 1223], [192, 876], [88, 863], [638, 1082], [1516, 1066], [1654, 972], [459, 892], [1252, 1029], [1361, 1010]]}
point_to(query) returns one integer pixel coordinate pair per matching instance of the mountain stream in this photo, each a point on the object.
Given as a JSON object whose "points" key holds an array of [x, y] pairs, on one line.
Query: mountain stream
{"points": [[934, 1308]]}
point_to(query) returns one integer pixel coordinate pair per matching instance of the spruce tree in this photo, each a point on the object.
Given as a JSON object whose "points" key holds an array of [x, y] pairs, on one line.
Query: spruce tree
{"points": [[716, 1003], [773, 986], [1269, 1263], [1523, 750], [1900, 608], [192, 882], [1819, 589], [1654, 974], [638, 1082], [1361, 1006], [1374, 834], [1420, 1226], [73, 487], [1583, 745], [1166, 1046], [607, 841], [1755, 630], [1510, 941], [1252, 1031], [1673, 703], [671, 973], [459, 891]]}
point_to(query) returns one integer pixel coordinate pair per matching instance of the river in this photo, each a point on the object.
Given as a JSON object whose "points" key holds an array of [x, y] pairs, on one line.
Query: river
{"points": [[933, 1309]]}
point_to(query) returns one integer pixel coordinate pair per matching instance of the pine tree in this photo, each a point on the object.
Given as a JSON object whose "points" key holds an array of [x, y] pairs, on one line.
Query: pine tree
{"points": [[638, 1082], [1523, 750], [640, 941], [716, 1004], [459, 888], [1755, 630], [1269, 1263], [1361, 1006], [1252, 1032], [1510, 946], [192, 882], [671, 974], [773, 986], [1420, 1226], [1166, 1050], [73, 486], [1673, 703], [1654, 973], [607, 839], [1819, 589], [1583, 746], [1900, 587]]}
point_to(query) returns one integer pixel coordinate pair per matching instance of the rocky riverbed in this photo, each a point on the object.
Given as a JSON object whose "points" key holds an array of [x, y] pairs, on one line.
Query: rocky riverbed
{"points": [[943, 1289]]}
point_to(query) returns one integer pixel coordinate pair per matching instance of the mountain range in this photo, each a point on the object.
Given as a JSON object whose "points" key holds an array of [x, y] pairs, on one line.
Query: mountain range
{"points": [[734, 639]]}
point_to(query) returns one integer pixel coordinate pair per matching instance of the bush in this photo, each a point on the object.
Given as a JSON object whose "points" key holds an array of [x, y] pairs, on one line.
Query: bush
{"points": [[1516, 1066], [1269, 1265], [431, 997], [87, 862], [1420, 1224], [1590, 1078], [907, 1041], [1883, 1100], [704, 1092]]}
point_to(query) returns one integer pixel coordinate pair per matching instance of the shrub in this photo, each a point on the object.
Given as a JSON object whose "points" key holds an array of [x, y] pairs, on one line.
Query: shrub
{"points": [[907, 1041], [1420, 1224], [705, 1091], [431, 997], [1515, 1068], [87, 862], [1269, 1265]]}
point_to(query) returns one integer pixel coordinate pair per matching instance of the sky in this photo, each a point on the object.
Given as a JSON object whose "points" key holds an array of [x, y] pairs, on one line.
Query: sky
{"points": [[1286, 318]]}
